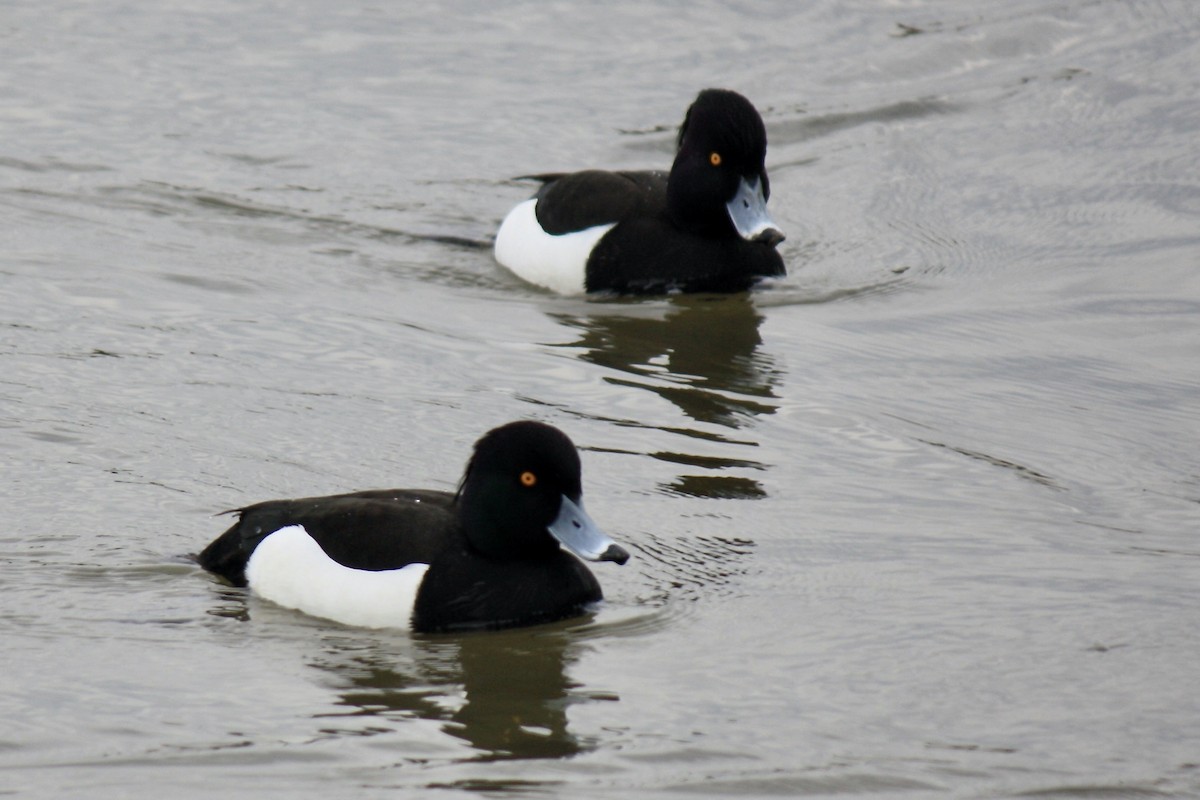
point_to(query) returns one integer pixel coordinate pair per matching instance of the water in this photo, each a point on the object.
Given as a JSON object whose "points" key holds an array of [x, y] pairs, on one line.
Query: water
{"points": [[919, 519]]}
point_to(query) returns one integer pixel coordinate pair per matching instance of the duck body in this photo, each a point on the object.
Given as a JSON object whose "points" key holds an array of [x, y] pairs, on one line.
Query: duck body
{"points": [[487, 556], [701, 227]]}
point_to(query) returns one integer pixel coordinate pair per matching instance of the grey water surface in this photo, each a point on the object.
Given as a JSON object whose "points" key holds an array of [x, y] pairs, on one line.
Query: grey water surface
{"points": [[919, 520]]}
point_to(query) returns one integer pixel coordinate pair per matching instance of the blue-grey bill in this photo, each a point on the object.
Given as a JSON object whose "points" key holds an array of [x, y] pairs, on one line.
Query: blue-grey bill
{"points": [[748, 211], [576, 531]]}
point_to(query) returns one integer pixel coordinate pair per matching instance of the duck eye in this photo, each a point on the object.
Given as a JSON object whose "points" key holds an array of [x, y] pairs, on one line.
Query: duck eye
{"points": [[528, 479], [714, 158]]}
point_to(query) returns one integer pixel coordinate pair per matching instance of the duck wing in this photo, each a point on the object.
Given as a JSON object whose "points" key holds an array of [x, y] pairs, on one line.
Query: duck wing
{"points": [[371, 530], [575, 201]]}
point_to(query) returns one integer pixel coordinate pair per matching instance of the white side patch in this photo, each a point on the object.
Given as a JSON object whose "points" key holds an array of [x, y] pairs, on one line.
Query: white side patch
{"points": [[556, 262], [290, 568]]}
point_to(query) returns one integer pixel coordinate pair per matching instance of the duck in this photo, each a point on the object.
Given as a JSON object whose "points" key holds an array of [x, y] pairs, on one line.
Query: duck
{"points": [[502, 551], [702, 227]]}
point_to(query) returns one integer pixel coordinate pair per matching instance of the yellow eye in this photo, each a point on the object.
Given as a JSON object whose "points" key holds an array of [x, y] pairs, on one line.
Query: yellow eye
{"points": [[528, 478], [714, 158]]}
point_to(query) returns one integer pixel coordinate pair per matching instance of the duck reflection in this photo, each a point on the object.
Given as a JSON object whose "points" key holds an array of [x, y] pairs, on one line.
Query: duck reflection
{"points": [[702, 348], [505, 693], [702, 354]]}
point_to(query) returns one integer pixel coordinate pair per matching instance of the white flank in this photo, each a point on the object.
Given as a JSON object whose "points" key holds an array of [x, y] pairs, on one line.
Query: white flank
{"points": [[290, 568], [556, 262]]}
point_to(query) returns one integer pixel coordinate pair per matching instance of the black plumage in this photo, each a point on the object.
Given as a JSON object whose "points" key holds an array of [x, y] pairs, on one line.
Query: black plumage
{"points": [[493, 561]]}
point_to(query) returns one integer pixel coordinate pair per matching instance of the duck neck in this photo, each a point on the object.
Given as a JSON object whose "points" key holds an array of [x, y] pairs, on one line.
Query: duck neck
{"points": [[694, 199], [494, 533]]}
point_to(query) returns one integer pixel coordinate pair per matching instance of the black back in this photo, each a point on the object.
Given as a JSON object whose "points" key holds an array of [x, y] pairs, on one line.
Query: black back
{"points": [[574, 201], [371, 530]]}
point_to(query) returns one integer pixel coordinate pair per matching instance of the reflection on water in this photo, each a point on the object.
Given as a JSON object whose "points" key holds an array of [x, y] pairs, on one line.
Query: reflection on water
{"points": [[514, 688], [701, 353], [703, 347]]}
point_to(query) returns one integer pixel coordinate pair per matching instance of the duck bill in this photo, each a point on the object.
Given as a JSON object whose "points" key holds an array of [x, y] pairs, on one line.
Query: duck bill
{"points": [[576, 531], [748, 212]]}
